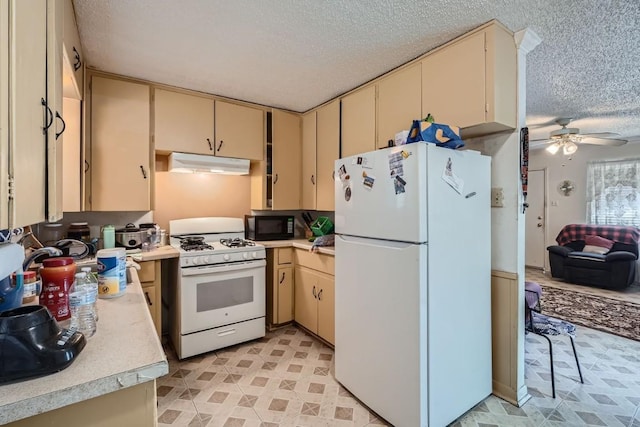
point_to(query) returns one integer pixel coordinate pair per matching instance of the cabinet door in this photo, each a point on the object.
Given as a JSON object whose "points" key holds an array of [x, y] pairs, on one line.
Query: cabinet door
{"points": [[399, 102], [306, 304], [285, 295], [120, 174], [4, 116], [328, 151], [286, 152], [453, 83], [73, 52], [239, 131], [359, 122], [71, 156], [27, 86], [183, 122], [308, 176], [326, 308], [55, 23]]}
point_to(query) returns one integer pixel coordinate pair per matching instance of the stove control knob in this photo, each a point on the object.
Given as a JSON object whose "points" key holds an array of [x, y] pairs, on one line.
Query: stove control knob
{"points": [[197, 260], [226, 257], [254, 254], [187, 261], [207, 260], [245, 255]]}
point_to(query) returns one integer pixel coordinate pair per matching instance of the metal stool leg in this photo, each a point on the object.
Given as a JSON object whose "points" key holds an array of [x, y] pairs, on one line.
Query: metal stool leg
{"points": [[575, 353], [553, 381]]}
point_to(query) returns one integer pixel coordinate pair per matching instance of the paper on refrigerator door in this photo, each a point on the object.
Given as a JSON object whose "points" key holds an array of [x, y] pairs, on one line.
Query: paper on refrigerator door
{"points": [[451, 178]]}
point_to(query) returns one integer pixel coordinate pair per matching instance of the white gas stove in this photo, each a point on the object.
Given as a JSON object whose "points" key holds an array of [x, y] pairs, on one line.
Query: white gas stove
{"points": [[221, 286]]}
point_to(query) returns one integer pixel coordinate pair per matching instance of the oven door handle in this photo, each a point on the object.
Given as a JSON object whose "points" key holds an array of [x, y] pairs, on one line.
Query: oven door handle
{"points": [[220, 268]]}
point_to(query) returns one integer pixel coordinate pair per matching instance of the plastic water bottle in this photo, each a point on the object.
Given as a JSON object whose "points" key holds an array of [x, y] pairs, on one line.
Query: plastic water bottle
{"points": [[92, 282], [81, 302]]}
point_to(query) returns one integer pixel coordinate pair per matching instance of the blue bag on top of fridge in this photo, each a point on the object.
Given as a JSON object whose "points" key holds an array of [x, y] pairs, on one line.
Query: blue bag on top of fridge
{"points": [[437, 133]]}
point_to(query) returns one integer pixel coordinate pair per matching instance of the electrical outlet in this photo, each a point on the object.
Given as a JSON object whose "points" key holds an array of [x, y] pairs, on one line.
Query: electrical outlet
{"points": [[497, 197]]}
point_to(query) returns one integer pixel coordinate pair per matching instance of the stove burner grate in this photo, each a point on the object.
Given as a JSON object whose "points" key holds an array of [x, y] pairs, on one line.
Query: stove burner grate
{"points": [[195, 246], [236, 243]]}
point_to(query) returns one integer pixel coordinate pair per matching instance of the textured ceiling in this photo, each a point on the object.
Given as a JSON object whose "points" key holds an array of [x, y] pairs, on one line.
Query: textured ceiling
{"points": [[296, 54]]}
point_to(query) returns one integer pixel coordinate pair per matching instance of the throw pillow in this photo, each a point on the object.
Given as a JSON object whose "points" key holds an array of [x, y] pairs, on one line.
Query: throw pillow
{"points": [[595, 249], [598, 241]]}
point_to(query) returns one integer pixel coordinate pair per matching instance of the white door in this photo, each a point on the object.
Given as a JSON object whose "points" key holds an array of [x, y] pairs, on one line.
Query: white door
{"points": [[219, 295], [385, 194], [535, 250], [381, 326]]}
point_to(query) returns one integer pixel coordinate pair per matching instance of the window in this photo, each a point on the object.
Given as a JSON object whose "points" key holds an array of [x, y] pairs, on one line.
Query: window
{"points": [[613, 196]]}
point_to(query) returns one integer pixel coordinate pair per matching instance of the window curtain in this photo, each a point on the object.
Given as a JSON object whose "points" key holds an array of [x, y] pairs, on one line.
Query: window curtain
{"points": [[613, 196]]}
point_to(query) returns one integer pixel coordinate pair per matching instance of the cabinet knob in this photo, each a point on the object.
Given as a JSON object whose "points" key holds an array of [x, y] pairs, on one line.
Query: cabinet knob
{"points": [[320, 295], [282, 278], [210, 146], [313, 179], [220, 146], [275, 179], [144, 173], [314, 292], [146, 294]]}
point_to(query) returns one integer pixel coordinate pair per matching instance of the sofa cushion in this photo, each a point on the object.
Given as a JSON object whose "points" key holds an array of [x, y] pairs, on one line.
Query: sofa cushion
{"points": [[597, 244]]}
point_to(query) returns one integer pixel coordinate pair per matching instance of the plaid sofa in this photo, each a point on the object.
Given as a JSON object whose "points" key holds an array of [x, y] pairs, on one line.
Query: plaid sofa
{"points": [[615, 269]]}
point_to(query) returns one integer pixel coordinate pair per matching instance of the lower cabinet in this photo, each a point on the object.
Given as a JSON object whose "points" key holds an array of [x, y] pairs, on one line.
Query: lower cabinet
{"points": [[150, 279], [279, 286], [315, 293]]}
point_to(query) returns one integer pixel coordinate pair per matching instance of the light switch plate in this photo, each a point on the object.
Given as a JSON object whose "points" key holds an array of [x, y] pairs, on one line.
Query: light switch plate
{"points": [[497, 197]]}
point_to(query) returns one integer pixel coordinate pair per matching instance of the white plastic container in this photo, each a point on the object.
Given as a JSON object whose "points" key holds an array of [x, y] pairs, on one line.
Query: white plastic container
{"points": [[112, 272]]}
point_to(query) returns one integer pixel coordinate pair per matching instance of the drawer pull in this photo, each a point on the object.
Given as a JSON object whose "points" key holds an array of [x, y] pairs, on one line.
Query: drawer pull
{"points": [[282, 278], [146, 294], [320, 295], [227, 332], [314, 292], [210, 147]]}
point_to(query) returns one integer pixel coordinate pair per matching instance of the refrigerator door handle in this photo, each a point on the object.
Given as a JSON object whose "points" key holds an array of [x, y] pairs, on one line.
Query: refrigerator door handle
{"points": [[378, 242]]}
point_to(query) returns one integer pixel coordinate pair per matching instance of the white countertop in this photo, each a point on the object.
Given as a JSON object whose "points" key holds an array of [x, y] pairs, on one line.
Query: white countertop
{"points": [[124, 351], [298, 243]]}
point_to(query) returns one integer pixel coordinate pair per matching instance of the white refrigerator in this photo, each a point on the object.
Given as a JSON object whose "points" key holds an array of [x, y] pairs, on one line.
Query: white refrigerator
{"points": [[412, 284]]}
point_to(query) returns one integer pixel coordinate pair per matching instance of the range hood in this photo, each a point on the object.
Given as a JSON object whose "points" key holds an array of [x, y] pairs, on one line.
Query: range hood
{"points": [[200, 163]]}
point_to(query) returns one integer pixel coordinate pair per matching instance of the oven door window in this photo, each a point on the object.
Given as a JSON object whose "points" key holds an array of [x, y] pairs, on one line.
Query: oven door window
{"points": [[218, 296], [214, 295]]}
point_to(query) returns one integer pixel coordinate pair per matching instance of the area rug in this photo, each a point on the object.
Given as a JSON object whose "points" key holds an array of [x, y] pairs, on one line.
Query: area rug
{"points": [[605, 314]]}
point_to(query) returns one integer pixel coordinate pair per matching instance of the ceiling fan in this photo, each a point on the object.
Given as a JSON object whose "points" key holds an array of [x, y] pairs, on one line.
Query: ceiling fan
{"points": [[568, 139]]}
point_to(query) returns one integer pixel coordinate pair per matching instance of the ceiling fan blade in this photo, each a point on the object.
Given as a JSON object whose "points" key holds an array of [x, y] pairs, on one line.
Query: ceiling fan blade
{"points": [[539, 142], [603, 141], [601, 135]]}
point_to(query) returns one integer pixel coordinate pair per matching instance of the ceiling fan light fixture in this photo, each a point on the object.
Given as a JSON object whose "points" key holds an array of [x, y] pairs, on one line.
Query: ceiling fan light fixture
{"points": [[569, 148], [553, 148]]}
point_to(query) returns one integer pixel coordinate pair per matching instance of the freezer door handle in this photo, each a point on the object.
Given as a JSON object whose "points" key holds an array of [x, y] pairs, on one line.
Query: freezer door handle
{"points": [[378, 243]]}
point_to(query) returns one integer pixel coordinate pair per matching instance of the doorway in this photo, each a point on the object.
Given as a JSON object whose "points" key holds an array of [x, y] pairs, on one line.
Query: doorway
{"points": [[536, 220]]}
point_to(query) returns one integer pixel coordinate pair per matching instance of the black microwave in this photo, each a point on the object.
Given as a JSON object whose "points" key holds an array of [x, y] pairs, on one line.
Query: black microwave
{"points": [[268, 227]]}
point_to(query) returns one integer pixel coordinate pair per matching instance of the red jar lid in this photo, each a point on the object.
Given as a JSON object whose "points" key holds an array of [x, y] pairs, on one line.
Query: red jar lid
{"points": [[29, 275], [57, 261]]}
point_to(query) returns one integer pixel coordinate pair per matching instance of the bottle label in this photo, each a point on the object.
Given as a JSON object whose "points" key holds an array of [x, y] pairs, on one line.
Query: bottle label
{"points": [[109, 276]]}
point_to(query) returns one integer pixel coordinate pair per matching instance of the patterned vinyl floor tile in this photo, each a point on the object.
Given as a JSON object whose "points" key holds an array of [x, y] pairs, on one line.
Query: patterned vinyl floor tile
{"points": [[287, 379]]}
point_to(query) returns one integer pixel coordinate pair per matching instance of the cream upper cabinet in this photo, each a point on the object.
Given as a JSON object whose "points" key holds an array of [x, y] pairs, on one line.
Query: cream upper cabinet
{"points": [[120, 146], [55, 24], [183, 122], [308, 174], [73, 56], [72, 156], [4, 116], [327, 152], [286, 154], [359, 121], [399, 102], [471, 83], [239, 131], [26, 116]]}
